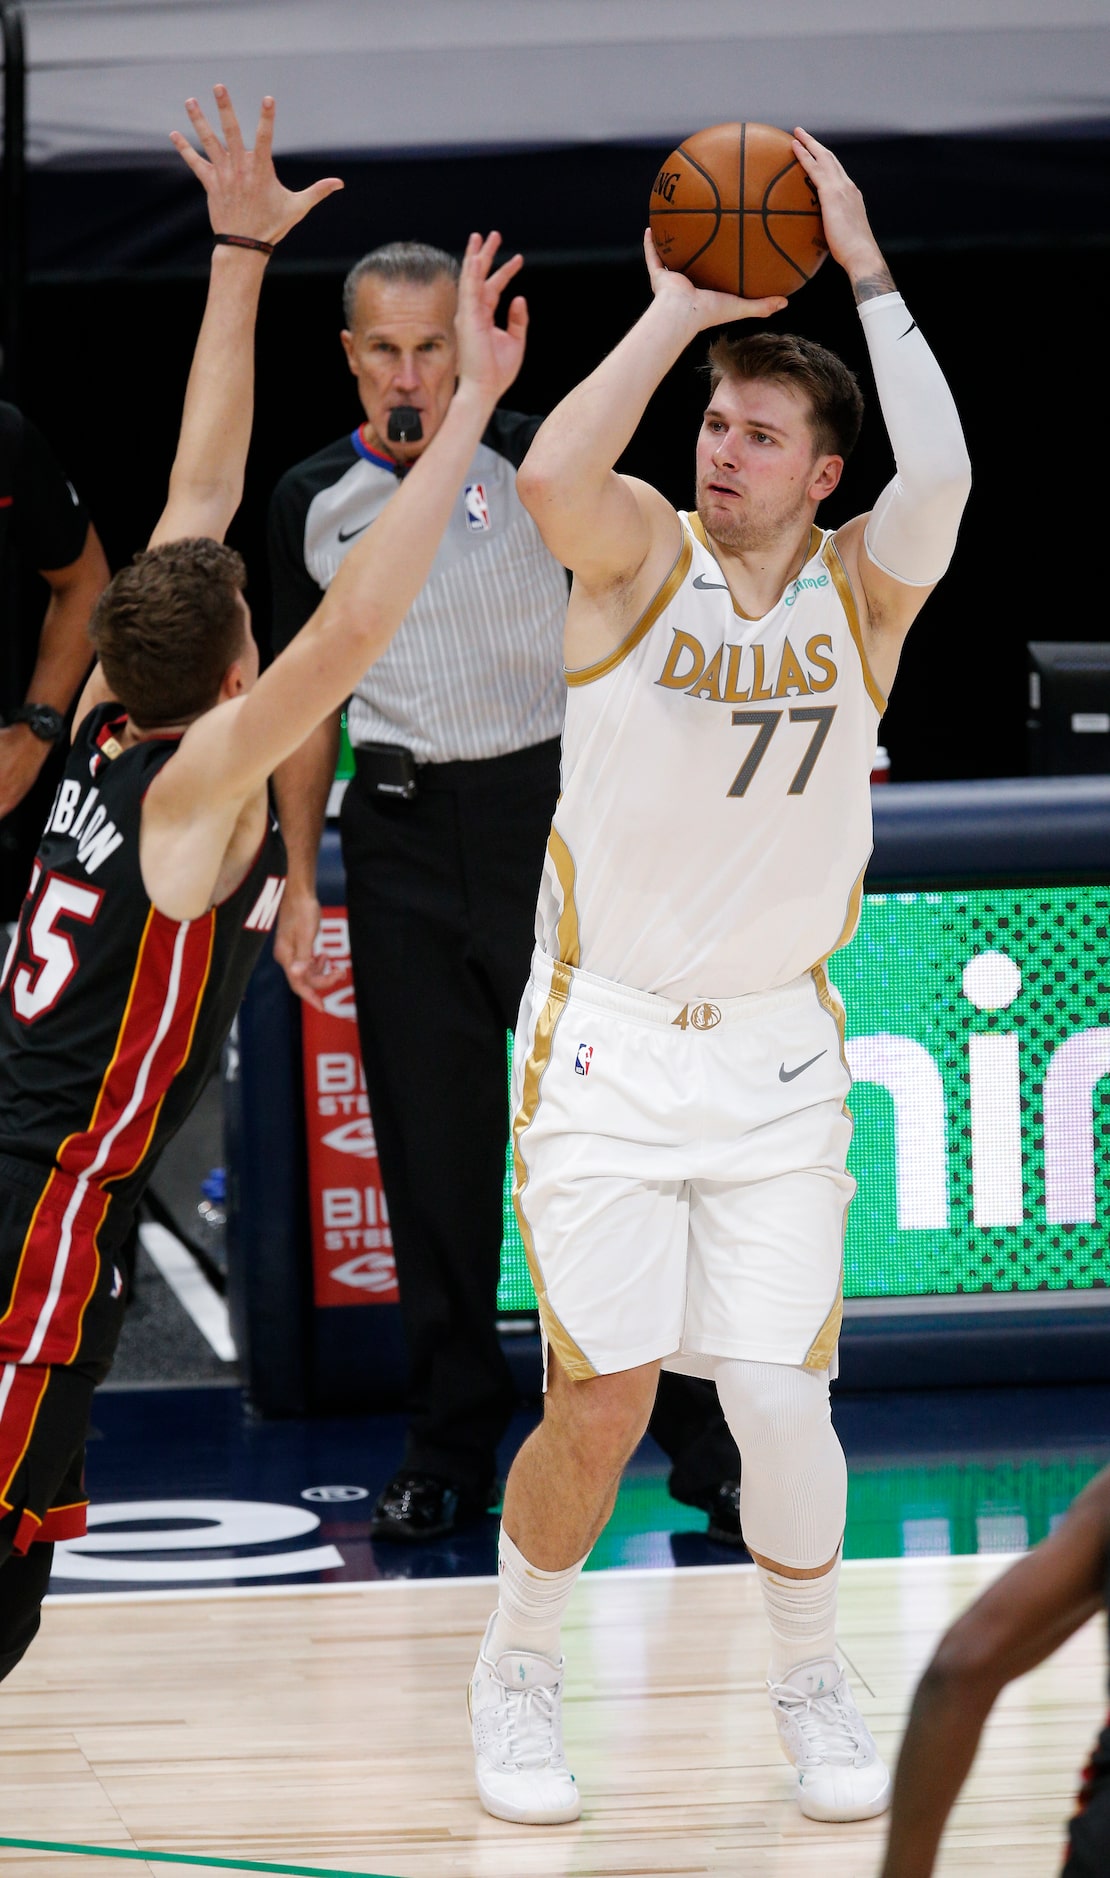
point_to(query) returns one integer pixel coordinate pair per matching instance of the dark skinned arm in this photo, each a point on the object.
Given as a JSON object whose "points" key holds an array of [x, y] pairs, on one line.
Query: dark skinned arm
{"points": [[1024, 1616]]}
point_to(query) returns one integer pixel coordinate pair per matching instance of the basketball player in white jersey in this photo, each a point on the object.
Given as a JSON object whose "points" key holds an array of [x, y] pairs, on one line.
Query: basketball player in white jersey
{"points": [[680, 1125]]}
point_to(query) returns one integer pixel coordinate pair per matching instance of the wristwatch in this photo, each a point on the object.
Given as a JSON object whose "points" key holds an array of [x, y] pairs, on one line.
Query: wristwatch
{"points": [[42, 720]]}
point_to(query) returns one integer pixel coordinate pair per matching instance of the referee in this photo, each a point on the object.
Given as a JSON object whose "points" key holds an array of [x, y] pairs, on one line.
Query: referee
{"points": [[455, 732]]}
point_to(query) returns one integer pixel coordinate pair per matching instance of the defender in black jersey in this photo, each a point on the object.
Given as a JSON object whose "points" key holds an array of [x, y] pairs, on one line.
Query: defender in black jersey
{"points": [[160, 870], [1025, 1615]]}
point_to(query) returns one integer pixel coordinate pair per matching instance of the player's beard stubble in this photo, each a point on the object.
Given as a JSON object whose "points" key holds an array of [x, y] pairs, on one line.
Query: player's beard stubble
{"points": [[747, 528]]}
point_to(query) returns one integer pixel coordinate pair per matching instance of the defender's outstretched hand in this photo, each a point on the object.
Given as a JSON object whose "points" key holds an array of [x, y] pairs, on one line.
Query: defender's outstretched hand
{"points": [[847, 229], [244, 194], [489, 355], [707, 307]]}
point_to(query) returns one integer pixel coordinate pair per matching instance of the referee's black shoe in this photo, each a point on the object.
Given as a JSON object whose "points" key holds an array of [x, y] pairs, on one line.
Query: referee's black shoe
{"points": [[415, 1507], [724, 1515]]}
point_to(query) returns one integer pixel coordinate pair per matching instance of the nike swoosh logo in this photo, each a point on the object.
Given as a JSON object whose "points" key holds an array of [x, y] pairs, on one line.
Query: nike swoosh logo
{"points": [[703, 585], [911, 328], [788, 1075], [352, 532]]}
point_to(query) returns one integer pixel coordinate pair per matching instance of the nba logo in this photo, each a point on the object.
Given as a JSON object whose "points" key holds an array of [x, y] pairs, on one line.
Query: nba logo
{"points": [[582, 1060], [477, 508]]}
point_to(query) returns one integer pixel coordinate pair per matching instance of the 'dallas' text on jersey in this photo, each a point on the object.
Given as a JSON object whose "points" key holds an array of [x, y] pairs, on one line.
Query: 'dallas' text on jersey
{"points": [[715, 817]]}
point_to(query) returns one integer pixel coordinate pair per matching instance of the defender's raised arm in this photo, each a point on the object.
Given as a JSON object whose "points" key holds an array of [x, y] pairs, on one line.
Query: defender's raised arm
{"points": [[231, 751], [250, 212]]}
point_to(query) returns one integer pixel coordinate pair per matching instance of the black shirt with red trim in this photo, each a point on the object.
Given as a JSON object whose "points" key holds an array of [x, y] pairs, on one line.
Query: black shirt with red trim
{"points": [[43, 525], [112, 1017]]}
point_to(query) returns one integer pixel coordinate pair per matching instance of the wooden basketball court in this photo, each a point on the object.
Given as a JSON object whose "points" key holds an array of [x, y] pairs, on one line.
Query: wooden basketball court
{"points": [[327, 1728]]}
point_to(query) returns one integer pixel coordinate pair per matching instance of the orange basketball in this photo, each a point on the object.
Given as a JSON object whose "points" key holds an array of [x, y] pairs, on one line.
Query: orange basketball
{"points": [[733, 209]]}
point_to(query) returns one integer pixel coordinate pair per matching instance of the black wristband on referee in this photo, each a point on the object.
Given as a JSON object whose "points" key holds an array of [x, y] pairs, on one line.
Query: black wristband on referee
{"points": [[245, 241]]}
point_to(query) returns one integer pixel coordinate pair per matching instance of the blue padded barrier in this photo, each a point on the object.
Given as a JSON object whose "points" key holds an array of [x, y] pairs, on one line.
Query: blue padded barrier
{"points": [[268, 1265], [1023, 828]]}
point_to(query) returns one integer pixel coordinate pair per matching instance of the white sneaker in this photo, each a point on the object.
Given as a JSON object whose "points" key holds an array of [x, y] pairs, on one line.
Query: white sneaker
{"points": [[840, 1774], [516, 1713]]}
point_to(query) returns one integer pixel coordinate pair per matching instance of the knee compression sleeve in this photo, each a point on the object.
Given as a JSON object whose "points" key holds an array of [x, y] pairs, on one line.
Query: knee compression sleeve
{"points": [[794, 1482]]}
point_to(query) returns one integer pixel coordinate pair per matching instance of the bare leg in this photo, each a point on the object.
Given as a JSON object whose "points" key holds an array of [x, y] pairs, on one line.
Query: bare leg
{"points": [[560, 1493], [563, 1483]]}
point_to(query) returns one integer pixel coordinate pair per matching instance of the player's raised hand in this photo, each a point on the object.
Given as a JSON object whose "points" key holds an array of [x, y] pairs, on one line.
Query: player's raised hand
{"points": [[244, 194], [843, 214], [704, 306], [489, 355]]}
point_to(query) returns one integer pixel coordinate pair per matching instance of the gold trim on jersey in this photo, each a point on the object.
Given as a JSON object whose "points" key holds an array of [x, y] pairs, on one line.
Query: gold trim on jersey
{"points": [[566, 932], [851, 917], [697, 529], [821, 1350], [830, 1002], [577, 1366], [680, 567], [831, 557]]}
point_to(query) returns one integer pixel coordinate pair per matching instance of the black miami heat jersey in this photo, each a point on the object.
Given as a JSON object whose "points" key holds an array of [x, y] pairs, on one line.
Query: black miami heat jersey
{"points": [[112, 1016]]}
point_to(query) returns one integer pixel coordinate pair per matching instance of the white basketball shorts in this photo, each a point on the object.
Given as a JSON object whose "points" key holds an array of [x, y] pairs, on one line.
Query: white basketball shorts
{"points": [[680, 1177]]}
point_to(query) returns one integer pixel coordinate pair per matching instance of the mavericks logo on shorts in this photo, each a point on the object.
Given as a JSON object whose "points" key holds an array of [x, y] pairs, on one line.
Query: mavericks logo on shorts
{"points": [[697, 1017], [582, 1060]]}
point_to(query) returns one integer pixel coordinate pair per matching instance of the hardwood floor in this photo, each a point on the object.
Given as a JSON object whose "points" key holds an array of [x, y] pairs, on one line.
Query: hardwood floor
{"points": [[329, 1729]]}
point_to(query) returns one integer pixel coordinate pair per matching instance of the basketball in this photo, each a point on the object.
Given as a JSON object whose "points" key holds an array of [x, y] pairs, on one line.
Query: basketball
{"points": [[733, 209]]}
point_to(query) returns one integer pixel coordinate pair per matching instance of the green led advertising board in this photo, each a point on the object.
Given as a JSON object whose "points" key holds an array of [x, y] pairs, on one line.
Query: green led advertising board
{"points": [[978, 1036]]}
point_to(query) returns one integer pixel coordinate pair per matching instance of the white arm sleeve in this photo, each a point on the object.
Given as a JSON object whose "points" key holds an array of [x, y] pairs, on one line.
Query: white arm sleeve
{"points": [[911, 530]]}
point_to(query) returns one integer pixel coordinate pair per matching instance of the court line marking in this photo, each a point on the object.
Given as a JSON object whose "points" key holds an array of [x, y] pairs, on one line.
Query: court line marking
{"points": [[187, 1858], [181, 1272], [357, 1587]]}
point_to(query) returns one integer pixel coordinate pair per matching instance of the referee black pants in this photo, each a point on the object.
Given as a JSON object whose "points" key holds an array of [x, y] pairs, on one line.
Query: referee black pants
{"points": [[441, 897]]}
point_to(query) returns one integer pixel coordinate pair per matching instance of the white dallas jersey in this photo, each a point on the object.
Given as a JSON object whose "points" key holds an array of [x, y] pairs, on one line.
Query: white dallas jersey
{"points": [[715, 817]]}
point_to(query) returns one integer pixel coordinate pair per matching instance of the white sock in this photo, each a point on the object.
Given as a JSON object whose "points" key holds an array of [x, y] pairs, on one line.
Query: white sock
{"points": [[801, 1613], [530, 1603]]}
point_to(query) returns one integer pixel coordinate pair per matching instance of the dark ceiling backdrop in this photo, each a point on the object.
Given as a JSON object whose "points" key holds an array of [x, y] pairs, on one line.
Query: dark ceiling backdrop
{"points": [[1000, 245]]}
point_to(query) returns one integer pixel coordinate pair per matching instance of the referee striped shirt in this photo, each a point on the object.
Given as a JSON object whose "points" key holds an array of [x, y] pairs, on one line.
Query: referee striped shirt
{"points": [[476, 668]]}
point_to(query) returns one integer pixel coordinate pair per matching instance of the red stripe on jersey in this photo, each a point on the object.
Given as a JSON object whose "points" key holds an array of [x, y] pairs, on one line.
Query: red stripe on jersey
{"points": [[58, 1522], [152, 1045], [61, 1522], [59, 1265], [21, 1393]]}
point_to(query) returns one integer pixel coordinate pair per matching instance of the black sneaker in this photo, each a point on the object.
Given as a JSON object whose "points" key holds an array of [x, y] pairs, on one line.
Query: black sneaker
{"points": [[415, 1507], [724, 1515]]}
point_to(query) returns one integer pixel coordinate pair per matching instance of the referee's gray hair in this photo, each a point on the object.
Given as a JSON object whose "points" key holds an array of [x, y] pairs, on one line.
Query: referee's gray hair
{"points": [[414, 262]]}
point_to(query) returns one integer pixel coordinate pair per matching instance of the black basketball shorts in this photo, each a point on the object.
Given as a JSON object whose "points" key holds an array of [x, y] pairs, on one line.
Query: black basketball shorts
{"points": [[63, 1286]]}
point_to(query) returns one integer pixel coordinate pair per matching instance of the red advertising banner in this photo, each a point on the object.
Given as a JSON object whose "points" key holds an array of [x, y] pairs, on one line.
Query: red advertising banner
{"points": [[352, 1249]]}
